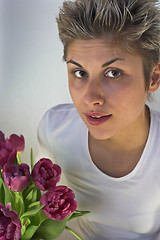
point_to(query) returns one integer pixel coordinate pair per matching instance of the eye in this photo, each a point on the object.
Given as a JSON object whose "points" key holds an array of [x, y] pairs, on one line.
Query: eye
{"points": [[113, 73], [80, 73]]}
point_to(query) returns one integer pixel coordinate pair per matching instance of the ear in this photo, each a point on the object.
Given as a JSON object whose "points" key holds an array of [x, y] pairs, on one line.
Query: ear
{"points": [[155, 79]]}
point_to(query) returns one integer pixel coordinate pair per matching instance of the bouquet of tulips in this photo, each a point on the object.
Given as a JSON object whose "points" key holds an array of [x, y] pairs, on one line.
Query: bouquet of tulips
{"points": [[25, 211]]}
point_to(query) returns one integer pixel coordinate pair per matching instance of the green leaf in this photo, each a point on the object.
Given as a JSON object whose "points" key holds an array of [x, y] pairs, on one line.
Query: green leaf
{"points": [[28, 189], [35, 194], [15, 198], [32, 194], [19, 203], [38, 194], [34, 205], [78, 213], [51, 229], [32, 212], [1, 191], [31, 229], [35, 222], [38, 218], [9, 196], [25, 222]]}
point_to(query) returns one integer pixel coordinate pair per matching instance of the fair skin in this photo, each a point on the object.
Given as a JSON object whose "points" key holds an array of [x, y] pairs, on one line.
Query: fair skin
{"points": [[107, 86]]}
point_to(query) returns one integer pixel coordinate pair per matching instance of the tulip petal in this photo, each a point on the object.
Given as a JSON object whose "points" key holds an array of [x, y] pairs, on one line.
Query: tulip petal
{"points": [[17, 142], [7, 153], [10, 225], [16, 177], [2, 137], [59, 203], [45, 174]]}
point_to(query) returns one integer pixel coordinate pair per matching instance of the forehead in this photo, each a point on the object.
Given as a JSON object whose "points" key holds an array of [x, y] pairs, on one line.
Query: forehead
{"points": [[95, 49], [96, 52]]}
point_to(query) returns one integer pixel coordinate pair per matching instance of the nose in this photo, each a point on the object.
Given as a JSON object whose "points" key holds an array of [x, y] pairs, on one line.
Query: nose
{"points": [[94, 94]]}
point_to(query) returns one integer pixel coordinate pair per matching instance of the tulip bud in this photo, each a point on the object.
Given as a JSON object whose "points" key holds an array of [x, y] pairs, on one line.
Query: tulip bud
{"points": [[7, 153], [9, 148], [16, 177], [17, 142], [10, 225], [59, 203], [45, 174], [2, 137]]}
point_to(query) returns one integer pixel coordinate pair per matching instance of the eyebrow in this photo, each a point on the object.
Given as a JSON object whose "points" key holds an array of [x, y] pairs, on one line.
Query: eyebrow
{"points": [[104, 65], [112, 61], [75, 63]]}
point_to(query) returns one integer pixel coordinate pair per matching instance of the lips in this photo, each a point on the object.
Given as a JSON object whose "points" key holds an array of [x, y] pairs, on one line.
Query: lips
{"points": [[97, 118]]}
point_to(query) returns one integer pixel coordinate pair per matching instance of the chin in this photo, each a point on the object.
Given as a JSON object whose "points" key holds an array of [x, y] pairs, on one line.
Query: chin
{"points": [[100, 136]]}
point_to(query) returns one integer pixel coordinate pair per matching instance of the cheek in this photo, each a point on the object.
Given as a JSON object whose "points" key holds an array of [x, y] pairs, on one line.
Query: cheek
{"points": [[75, 94], [127, 89], [76, 89], [128, 100], [71, 89]]}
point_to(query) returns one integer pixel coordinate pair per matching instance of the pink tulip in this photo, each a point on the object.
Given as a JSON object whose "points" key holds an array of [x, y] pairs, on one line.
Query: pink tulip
{"points": [[10, 225], [9, 148], [7, 153], [45, 174], [59, 203], [2, 137], [17, 142], [16, 177]]}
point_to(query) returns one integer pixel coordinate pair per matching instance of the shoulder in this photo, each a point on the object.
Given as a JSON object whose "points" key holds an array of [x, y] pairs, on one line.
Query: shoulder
{"points": [[61, 111], [59, 115], [58, 123], [152, 151], [155, 125], [155, 115]]}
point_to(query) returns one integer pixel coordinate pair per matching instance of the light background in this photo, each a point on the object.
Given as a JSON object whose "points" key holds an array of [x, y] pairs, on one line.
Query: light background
{"points": [[33, 75]]}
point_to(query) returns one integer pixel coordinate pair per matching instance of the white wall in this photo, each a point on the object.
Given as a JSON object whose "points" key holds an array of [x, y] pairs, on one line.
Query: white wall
{"points": [[33, 75]]}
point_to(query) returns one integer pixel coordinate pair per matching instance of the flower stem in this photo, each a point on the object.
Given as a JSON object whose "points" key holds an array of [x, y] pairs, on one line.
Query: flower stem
{"points": [[73, 232], [18, 158], [32, 160]]}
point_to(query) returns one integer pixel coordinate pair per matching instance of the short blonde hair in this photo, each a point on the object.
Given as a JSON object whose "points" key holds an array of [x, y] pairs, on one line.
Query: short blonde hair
{"points": [[133, 24]]}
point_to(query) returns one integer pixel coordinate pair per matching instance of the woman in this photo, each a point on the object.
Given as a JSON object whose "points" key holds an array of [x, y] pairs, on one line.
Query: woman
{"points": [[107, 142]]}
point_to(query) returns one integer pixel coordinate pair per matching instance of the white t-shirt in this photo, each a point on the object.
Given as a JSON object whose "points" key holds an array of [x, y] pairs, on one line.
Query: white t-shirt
{"points": [[121, 208]]}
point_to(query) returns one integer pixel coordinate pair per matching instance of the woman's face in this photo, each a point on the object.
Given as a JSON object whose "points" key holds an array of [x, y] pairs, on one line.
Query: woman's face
{"points": [[107, 86]]}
